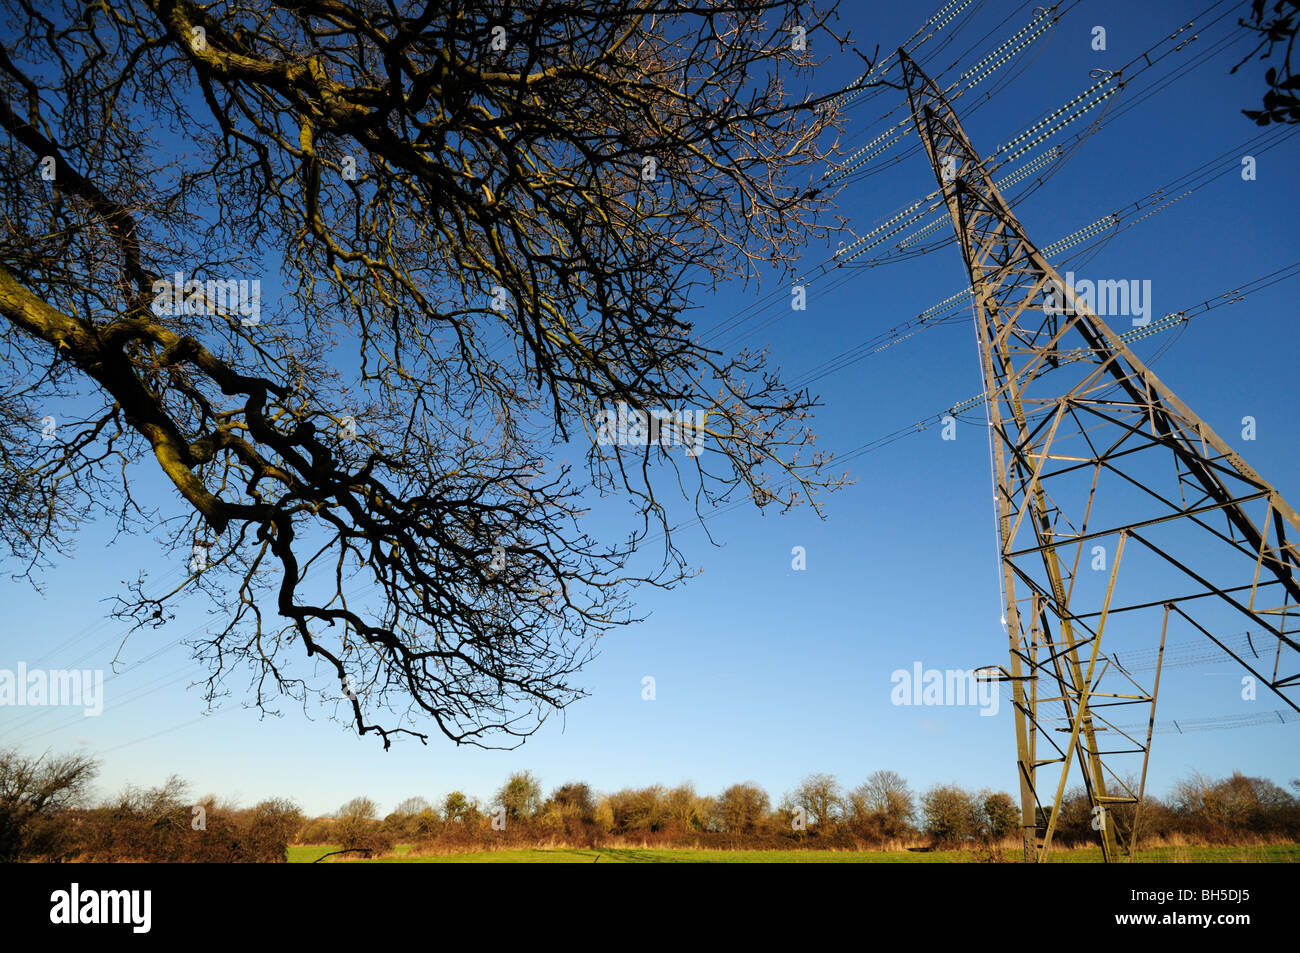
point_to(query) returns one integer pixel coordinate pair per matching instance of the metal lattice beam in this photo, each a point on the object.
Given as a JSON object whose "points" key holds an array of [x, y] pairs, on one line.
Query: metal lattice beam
{"points": [[1093, 454]]}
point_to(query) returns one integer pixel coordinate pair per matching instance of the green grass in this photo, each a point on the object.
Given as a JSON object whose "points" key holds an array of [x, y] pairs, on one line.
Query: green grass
{"points": [[1272, 854], [306, 855], [1289, 853]]}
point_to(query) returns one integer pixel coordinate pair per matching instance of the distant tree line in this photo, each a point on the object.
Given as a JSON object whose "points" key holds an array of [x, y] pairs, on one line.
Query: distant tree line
{"points": [[881, 812], [46, 815]]}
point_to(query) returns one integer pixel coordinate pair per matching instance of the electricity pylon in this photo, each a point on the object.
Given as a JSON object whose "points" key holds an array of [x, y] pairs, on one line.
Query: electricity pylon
{"points": [[1097, 465]]}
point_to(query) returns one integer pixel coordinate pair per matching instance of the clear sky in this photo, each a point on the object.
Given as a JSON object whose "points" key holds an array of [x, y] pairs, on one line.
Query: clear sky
{"points": [[764, 672]]}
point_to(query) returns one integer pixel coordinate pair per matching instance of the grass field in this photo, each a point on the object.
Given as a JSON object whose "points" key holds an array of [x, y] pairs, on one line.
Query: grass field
{"points": [[1289, 853]]}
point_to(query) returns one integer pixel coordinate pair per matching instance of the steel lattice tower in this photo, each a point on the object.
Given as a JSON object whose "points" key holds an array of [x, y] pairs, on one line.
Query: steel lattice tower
{"points": [[1096, 460]]}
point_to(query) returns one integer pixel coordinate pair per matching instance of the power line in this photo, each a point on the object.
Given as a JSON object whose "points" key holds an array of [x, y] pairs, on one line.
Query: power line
{"points": [[1094, 234]]}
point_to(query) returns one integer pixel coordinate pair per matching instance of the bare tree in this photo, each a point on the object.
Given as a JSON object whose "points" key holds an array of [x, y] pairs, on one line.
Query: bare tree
{"points": [[487, 224], [412, 806], [822, 800], [683, 809], [742, 808], [32, 792], [883, 804], [355, 820]]}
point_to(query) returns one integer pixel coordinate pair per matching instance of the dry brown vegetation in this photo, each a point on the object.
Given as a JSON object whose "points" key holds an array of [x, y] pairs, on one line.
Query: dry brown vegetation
{"points": [[46, 815]]}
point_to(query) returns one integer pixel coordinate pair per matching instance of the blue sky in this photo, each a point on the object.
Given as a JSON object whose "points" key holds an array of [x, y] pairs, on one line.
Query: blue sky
{"points": [[763, 672]]}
